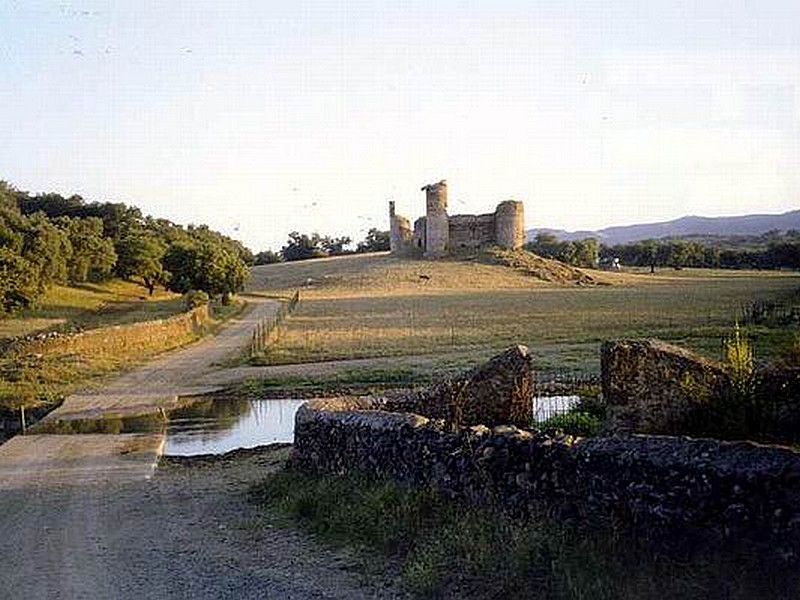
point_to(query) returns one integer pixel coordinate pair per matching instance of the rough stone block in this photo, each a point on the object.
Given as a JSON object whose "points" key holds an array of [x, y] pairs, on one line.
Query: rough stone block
{"points": [[498, 392], [778, 397], [654, 387]]}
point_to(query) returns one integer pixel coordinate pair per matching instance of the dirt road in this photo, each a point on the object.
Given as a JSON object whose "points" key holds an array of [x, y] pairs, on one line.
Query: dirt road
{"points": [[39, 460], [89, 516], [189, 532], [197, 369]]}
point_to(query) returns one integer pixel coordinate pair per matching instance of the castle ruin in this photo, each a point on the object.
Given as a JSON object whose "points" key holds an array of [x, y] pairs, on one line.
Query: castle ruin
{"points": [[437, 234]]}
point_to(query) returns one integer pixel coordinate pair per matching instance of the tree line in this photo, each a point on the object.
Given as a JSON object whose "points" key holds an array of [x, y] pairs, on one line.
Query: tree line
{"points": [[772, 250], [579, 253], [49, 239], [304, 246]]}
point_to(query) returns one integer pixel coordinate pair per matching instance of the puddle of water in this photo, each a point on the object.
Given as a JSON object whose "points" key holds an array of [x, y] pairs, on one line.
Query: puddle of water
{"points": [[219, 426], [204, 426]]}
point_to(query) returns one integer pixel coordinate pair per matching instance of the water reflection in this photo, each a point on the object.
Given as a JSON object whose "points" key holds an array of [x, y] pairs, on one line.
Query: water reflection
{"points": [[203, 426], [153, 423], [218, 426], [545, 407]]}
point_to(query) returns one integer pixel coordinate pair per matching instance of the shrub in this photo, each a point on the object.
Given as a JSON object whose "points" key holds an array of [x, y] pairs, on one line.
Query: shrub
{"points": [[739, 356], [194, 299], [573, 423], [453, 550], [592, 405], [790, 353]]}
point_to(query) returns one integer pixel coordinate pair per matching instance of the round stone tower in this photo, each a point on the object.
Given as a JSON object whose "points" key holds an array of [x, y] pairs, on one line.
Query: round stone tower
{"points": [[509, 225], [399, 232], [437, 224]]}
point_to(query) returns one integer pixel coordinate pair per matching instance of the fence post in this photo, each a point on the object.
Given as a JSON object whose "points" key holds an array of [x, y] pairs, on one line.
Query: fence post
{"points": [[267, 328]]}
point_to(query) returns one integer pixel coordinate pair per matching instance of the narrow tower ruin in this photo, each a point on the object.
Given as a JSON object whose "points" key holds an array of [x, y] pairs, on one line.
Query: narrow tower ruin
{"points": [[437, 223], [399, 232]]}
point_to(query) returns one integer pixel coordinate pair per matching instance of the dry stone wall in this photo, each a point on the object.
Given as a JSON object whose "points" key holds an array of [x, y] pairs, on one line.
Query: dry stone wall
{"points": [[653, 387], [660, 486], [778, 391], [163, 333]]}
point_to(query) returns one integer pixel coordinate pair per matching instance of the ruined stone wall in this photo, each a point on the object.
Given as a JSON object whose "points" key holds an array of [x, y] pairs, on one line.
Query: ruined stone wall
{"points": [[437, 223], [468, 232], [657, 485], [437, 234], [510, 224]]}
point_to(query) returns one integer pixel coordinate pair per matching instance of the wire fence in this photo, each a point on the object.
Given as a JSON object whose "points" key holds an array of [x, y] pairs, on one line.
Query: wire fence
{"points": [[268, 329], [564, 383]]}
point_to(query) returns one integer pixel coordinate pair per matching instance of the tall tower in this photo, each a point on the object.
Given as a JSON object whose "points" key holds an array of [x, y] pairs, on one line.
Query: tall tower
{"points": [[510, 224], [437, 224]]}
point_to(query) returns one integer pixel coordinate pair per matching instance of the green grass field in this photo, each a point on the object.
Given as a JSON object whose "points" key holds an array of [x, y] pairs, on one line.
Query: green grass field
{"points": [[379, 306], [89, 306]]}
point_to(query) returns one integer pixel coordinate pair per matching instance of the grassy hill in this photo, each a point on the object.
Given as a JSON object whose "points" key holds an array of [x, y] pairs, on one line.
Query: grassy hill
{"points": [[381, 306], [381, 273]]}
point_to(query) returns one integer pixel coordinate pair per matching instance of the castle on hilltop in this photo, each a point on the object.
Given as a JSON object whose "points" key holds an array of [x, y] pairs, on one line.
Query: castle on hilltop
{"points": [[437, 234]]}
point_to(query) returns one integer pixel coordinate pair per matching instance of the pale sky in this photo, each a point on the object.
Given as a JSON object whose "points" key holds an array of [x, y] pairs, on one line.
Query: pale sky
{"points": [[262, 117]]}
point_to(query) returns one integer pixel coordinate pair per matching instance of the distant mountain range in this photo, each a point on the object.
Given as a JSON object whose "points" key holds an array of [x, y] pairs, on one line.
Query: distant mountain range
{"points": [[685, 226]]}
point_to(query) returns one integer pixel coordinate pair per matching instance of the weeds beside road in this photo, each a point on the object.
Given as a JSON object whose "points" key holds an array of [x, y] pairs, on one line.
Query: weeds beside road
{"points": [[444, 549]]}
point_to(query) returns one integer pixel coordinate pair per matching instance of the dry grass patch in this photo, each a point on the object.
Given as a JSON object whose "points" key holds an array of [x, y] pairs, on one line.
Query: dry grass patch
{"points": [[381, 274], [377, 306]]}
